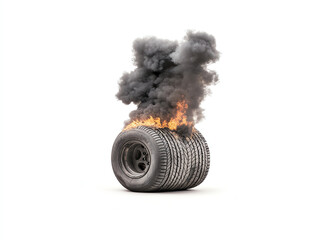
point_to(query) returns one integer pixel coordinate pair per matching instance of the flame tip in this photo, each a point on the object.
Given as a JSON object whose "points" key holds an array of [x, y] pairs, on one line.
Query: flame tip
{"points": [[180, 119]]}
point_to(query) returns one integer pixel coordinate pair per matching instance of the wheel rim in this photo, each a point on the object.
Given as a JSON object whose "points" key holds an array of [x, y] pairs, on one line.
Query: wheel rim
{"points": [[135, 159]]}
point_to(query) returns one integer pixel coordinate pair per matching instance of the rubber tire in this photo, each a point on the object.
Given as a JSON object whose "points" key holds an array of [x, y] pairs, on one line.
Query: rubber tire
{"points": [[176, 162]]}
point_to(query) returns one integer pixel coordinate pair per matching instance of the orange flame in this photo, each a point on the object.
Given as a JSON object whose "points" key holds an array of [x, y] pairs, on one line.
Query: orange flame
{"points": [[179, 120]]}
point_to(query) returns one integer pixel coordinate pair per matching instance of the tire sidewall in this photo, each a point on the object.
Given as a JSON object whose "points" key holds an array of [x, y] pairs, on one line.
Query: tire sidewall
{"points": [[145, 182]]}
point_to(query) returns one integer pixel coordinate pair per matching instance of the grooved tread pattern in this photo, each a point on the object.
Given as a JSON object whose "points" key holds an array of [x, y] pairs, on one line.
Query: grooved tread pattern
{"points": [[185, 162]]}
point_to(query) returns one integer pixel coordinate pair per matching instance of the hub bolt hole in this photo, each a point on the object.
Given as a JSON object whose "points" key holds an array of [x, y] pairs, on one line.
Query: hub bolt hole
{"points": [[142, 166]]}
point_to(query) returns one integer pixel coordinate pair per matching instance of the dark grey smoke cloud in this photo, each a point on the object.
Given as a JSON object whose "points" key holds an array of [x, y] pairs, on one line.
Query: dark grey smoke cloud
{"points": [[167, 72]]}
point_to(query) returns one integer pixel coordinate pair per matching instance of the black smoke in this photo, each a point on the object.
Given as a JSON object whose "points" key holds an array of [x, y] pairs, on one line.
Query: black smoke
{"points": [[168, 72]]}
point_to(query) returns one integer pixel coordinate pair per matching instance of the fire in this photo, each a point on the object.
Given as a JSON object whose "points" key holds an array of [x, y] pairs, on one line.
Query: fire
{"points": [[178, 120]]}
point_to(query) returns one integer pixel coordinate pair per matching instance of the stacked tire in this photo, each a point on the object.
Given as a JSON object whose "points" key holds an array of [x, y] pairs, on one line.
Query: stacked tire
{"points": [[146, 159]]}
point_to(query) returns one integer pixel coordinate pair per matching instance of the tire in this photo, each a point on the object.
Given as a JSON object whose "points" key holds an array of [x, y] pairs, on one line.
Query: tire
{"points": [[146, 159]]}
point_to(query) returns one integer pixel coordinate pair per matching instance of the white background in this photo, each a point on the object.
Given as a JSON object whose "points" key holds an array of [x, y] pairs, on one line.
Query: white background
{"points": [[60, 63]]}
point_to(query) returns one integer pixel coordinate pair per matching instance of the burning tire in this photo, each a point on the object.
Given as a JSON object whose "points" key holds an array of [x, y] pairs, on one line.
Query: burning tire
{"points": [[158, 159]]}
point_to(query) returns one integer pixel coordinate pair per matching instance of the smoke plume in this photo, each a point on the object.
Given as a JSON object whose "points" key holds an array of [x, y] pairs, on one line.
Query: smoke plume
{"points": [[168, 72]]}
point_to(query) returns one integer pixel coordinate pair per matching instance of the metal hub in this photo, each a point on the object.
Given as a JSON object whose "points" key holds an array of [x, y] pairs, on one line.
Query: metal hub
{"points": [[135, 159]]}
